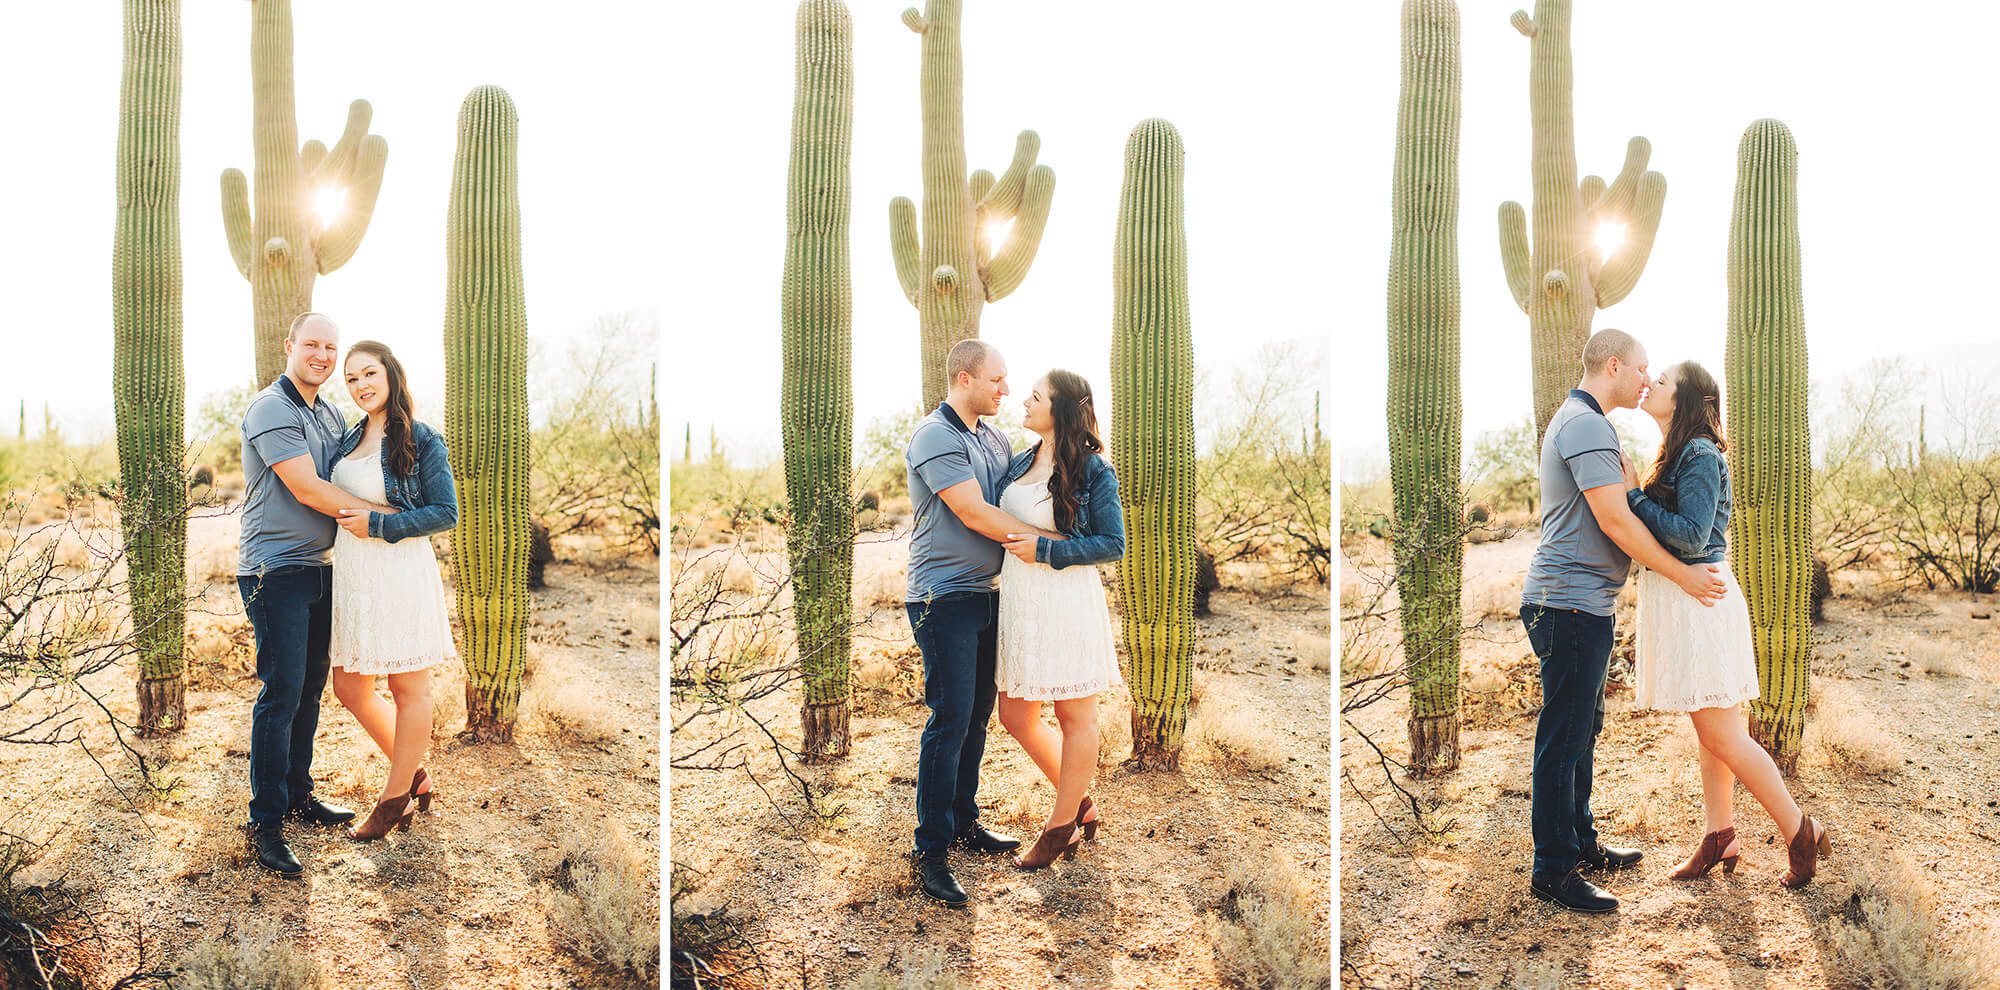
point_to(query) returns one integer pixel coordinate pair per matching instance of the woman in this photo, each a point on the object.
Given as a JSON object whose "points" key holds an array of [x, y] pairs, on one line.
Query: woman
{"points": [[1055, 636], [1695, 658], [389, 612]]}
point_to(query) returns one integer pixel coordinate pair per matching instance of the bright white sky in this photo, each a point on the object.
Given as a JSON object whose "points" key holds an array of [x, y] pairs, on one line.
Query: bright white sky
{"points": [[584, 78], [1895, 223], [1246, 89]]}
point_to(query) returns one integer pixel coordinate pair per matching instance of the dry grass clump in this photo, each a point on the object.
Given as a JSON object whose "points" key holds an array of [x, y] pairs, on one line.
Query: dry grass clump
{"points": [[1886, 935], [1233, 731], [260, 957], [605, 904], [1492, 599], [1114, 729], [1937, 658], [1843, 734], [1268, 929], [926, 969], [569, 709], [879, 872]]}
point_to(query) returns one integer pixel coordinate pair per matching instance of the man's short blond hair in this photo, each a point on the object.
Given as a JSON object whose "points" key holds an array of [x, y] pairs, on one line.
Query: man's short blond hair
{"points": [[967, 356], [1605, 345], [292, 332]]}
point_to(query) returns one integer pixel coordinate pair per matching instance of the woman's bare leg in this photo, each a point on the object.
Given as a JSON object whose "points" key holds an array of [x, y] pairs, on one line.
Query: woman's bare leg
{"points": [[357, 693], [1022, 719], [1078, 719], [1723, 733], [1718, 788], [412, 692]]}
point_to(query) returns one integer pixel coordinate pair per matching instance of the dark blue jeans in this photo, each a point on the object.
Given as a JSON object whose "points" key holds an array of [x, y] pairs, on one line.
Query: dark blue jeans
{"points": [[956, 634], [291, 613], [1575, 651]]}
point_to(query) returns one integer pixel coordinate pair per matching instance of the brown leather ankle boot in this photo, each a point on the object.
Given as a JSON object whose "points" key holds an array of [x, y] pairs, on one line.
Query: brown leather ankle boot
{"points": [[1707, 855]]}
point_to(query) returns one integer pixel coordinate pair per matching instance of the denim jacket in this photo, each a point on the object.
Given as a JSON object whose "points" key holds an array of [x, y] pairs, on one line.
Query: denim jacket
{"points": [[1097, 536], [1696, 528], [425, 499]]}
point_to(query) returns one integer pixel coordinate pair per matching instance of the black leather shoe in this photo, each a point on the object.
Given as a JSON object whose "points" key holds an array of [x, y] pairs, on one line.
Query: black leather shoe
{"points": [[934, 875], [317, 812], [979, 838], [1572, 891], [1608, 858], [272, 852]]}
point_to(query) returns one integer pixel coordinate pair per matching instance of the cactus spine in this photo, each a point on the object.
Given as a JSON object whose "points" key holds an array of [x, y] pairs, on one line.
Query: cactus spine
{"points": [[1563, 282], [1770, 531], [486, 409], [281, 248], [1424, 410], [148, 387], [818, 407], [954, 271], [1152, 441]]}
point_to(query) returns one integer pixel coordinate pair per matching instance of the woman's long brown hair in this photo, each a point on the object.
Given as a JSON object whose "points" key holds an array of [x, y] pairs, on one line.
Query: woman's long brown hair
{"points": [[1697, 413], [399, 443], [1076, 439]]}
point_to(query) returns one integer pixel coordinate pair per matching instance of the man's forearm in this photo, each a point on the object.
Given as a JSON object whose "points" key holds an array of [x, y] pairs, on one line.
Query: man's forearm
{"points": [[1636, 540], [989, 521], [327, 498]]}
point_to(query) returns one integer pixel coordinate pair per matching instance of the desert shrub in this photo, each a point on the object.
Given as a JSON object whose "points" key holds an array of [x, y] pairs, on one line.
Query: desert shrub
{"points": [[927, 968], [1845, 736], [605, 904], [1264, 486], [1268, 930], [597, 454], [259, 957], [1230, 727], [711, 947], [1885, 936], [1504, 467], [571, 709], [878, 457], [215, 430]]}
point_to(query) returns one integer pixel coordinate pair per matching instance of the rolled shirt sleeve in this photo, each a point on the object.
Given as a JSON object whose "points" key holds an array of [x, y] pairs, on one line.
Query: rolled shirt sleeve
{"points": [[274, 430], [1589, 446], [939, 458]]}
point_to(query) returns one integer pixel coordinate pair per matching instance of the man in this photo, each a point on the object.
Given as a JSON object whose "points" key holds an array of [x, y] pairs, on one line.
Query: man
{"points": [[290, 442], [1589, 539], [956, 464]]}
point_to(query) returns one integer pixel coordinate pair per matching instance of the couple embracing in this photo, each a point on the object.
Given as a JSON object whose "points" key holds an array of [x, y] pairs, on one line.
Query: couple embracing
{"points": [[1006, 606], [1693, 641], [338, 579]]}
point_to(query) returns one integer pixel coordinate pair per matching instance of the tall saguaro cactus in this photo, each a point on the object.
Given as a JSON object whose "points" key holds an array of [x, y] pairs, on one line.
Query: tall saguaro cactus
{"points": [[1152, 441], [1424, 413], [486, 409], [1561, 282], [1770, 532], [954, 271], [147, 384], [818, 407], [282, 248]]}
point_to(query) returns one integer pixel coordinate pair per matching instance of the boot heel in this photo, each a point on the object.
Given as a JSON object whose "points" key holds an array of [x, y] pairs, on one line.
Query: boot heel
{"points": [[1728, 864], [1825, 842], [1069, 851]]}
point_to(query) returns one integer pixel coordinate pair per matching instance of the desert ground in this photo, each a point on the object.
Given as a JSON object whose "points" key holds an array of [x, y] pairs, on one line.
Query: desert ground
{"points": [[537, 867], [1216, 876], [1900, 757]]}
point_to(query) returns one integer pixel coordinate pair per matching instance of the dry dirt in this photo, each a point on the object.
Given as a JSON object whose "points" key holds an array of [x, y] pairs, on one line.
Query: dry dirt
{"points": [[1140, 907], [458, 901], [1900, 760]]}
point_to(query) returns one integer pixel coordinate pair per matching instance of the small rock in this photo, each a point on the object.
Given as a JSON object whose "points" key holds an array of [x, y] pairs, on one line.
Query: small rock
{"points": [[1982, 615], [1462, 969], [190, 920], [854, 950]]}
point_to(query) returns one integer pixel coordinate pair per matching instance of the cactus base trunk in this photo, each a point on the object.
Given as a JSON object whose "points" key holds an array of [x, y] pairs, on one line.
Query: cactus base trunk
{"points": [[825, 731], [1433, 744], [483, 724], [1156, 745], [1779, 732], [162, 706]]}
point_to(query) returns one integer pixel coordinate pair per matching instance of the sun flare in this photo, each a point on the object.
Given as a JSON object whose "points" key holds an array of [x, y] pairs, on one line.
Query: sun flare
{"points": [[1609, 237], [327, 204]]}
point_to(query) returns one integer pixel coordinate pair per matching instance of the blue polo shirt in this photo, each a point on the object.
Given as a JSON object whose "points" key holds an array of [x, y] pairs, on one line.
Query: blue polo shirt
{"points": [[1576, 565], [945, 555], [278, 529]]}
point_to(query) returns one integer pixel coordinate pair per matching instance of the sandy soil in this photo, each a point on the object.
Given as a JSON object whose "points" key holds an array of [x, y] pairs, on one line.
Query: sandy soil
{"points": [[1899, 763], [459, 901], [1135, 909]]}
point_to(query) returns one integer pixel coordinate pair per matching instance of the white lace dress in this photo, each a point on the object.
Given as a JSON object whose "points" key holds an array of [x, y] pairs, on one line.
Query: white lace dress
{"points": [[1055, 637], [389, 610], [1691, 656]]}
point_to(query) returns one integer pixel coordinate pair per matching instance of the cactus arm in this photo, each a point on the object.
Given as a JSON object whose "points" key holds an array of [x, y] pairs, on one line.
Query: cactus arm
{"points": [[903, 245], [1010, 266], [311, 155], [1590, 192], [1514, 250], [1005, 197], [343, 236], [1523, 23], [981, 182], [1616, 204], [236, 218], [913, 19], [1622, 272], [339, 168]]}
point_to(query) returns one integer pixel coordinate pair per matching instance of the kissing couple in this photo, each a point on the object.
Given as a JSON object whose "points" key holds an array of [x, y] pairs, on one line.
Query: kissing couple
{"points": [[336, 573], [1005, 604], [1693, 640]]}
